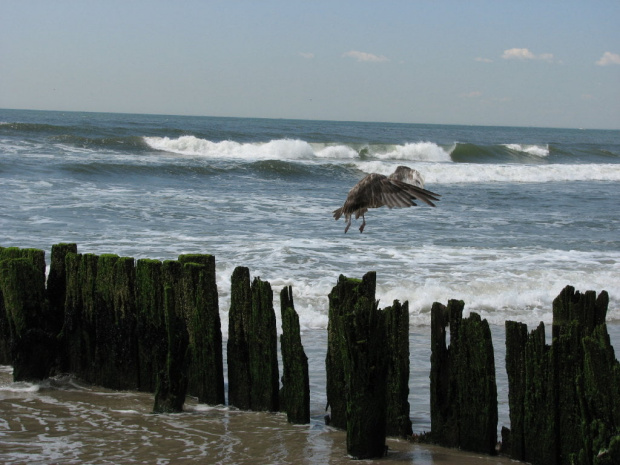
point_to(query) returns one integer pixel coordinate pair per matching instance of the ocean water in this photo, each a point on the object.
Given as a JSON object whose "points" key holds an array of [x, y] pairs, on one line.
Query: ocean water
{"points": [[523, 213]]}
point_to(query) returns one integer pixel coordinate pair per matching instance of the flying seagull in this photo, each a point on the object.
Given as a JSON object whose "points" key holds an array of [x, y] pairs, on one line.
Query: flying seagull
{"points": [[398, 190]]}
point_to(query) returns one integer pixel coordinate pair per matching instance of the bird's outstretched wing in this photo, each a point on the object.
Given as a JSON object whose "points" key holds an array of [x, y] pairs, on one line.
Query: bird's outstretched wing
{"points": [[415, 192]]}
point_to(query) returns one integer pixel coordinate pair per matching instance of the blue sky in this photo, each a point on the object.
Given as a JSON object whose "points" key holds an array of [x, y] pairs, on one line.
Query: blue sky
{"points": [[523, 63]]}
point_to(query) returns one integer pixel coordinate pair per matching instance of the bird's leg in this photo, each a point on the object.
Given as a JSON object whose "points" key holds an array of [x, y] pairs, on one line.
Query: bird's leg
{"points": [[348, 225], [363, 224]]}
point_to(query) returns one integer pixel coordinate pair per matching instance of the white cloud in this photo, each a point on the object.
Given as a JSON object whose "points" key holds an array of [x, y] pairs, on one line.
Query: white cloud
{"points": [[367, 57], [307, 55], [518, 54], [525, 54], [484, 60], [609, 58]]}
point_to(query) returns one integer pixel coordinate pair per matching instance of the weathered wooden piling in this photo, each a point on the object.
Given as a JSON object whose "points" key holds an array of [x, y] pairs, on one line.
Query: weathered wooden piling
{"points": [[200, 302], [78, 333], [398, 420], [253, 373], [295, 392], [513, 439], [463, 387], [6, 353], [365, 368], [33, 347], [540, 422], [57, 284], [172, 378], [150, 322], [600, 400], [116, 348], [357, 365], [263, 348], [238, 352], [345, 296]]}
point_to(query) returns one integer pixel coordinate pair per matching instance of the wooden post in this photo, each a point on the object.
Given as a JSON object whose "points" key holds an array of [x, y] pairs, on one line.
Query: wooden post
{"points": [[57, 284], [516, 338], [37, 258], [357, 365], [116, 348], [463, 387], [78, 333], [33, 347], [444, 425], [200, 302], [263, 350], [295, 393], [238, 354], [151, 322], [171, 386], [398, 421]]}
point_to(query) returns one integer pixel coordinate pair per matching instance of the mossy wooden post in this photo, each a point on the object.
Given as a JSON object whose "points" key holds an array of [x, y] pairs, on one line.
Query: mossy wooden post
{"points": [[78, 333], [116, 352], [398, 421], [105, 325], [573, 317], [516, 338], [365, 372], [477, 394], [601, 400], [37, 258], [342, 298], [463, 400], [295, 393], [583, 431], [151, 324], [263, 350], [539, 413], [34, 349], [200, 301], [34, 256], [57, 284], [238, 355], [171, 385]]}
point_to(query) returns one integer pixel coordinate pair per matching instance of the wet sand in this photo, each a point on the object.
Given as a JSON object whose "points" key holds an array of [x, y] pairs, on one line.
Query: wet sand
{"points": [[63, 422]]}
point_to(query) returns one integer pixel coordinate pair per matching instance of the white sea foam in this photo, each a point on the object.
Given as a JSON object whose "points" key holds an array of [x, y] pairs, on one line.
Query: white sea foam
{"points": [[465, 173], [276, 149], [418, 151], [20, 387], [500, 284], [294, 149], [536, 150], [340, 152]]}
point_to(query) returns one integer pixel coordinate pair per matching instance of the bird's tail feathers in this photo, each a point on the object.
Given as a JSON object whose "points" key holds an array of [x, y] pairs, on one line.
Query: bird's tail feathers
{"points": [[337, 213]]}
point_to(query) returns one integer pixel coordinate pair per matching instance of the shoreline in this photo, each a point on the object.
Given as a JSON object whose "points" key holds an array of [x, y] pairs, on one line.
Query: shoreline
{"points": [[122, 420]]}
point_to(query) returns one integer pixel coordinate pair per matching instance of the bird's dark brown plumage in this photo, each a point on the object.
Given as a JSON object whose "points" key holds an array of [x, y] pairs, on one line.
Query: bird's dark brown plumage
{"points": [[399, 190]]}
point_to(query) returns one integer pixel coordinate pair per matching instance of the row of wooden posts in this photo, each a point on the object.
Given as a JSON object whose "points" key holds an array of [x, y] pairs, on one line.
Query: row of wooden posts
{"points": [[154, 326]]}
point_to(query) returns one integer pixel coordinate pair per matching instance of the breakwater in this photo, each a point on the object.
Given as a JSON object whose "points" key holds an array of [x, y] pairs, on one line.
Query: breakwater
{"points": [[113, 305]]}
